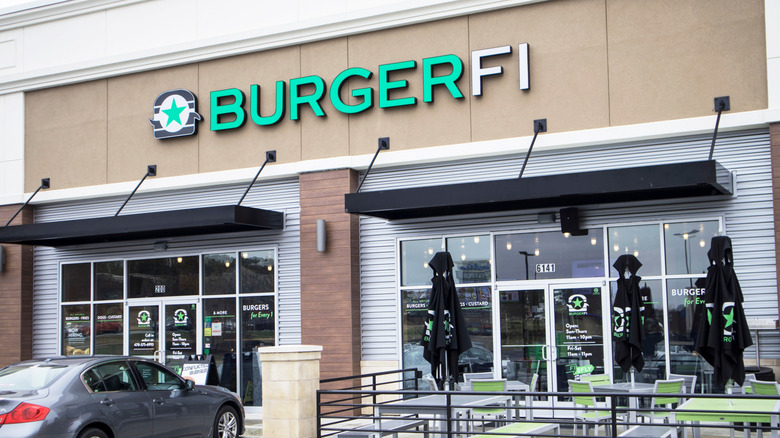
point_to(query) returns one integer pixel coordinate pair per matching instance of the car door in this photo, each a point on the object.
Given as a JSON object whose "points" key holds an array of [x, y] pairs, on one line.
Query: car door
{"points": [[126, 407], [178, 412]]}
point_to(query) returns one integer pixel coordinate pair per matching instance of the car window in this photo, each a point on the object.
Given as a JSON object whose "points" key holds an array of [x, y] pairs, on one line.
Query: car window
{"points": [[113, 376], [158, 378], [29, 377], [93, 381]]}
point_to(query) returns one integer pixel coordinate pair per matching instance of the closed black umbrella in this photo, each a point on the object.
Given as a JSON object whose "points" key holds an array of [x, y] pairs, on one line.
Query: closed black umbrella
{"points": [[723, 335], [627, 321], [445, 335]]}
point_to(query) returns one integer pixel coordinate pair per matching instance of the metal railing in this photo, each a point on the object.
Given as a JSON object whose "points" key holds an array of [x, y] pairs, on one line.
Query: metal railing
{"points": [[375, 413]]}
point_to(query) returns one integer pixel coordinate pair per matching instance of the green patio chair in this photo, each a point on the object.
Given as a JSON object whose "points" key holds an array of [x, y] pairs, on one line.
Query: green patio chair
{"points": [[521, 400], [689, 385], [484, 413], [764, 388], [663, 387], [592, 411], [596, 379]]}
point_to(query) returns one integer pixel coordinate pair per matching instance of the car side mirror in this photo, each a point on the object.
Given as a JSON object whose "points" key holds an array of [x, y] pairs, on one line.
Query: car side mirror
{"points": [[189, 384]]}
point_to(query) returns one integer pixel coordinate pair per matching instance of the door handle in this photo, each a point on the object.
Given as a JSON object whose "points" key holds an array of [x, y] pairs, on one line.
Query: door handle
{"points": [[107, 402], [159, 401], [544, 352]]}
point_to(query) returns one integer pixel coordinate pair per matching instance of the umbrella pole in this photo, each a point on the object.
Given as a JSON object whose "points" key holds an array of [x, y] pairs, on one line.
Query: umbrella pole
{"points": [[633, 371]]}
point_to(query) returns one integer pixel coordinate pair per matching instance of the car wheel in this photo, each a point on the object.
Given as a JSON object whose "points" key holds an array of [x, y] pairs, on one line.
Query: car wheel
{"points": [[93, 433], [226, 423]]}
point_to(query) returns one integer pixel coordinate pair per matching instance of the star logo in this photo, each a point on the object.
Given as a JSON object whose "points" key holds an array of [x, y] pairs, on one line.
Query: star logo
{"points": [[144, 318], [180, 317], [728, 318], [175, 114], [577, 303]]}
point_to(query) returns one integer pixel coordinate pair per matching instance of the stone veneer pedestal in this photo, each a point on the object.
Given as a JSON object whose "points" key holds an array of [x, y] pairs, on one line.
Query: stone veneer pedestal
{"points": [[291, 378]]}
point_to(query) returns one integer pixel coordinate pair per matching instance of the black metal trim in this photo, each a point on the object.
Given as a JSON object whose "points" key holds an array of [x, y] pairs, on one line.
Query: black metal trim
{"points": [[667, 181], [188, 222]]}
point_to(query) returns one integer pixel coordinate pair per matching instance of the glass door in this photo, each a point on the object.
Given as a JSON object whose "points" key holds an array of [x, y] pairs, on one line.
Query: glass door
{"points": [[164, 331], [555, 331], [578, 333]]}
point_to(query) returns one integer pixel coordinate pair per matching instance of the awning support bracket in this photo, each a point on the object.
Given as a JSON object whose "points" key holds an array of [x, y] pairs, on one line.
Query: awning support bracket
{"points": [[540, 125], [151, 170], [45, 184], [270, 157], [721, 104], [384, 144]]}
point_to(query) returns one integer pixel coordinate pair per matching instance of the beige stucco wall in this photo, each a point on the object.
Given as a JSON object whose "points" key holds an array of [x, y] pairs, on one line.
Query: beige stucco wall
{"points": [[594, 63]]}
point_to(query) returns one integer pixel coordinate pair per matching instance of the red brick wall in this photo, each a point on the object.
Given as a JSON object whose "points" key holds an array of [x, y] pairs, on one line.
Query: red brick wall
{"points": [[774, 132], [16, 294], [330, 280]]}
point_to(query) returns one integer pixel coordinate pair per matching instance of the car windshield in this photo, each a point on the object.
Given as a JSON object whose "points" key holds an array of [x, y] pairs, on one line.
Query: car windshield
{"points": [[29, 377]]}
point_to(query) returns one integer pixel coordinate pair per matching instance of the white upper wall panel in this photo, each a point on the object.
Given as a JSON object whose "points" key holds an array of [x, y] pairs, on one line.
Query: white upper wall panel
{"points": [[150, 25], [772, 15], [79, 40], [216, 19], [65, 42], [12, 146]]}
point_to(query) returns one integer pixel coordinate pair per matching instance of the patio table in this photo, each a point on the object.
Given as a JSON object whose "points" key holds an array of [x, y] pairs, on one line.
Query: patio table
{"points": [[628, 387], [436, 405], [729, 410]]}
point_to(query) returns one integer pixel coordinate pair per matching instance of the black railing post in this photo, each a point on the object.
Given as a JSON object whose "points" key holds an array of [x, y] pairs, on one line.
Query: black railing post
{"points": [[613, 405], [448, 397], [373, 388], [319, 415]]}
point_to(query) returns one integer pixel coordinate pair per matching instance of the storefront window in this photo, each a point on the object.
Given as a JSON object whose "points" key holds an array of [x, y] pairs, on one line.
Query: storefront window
{"points": [[471, 256], [549, 255], [109, 280], [258, 329], [643, 241], [415, 255], [476, 304], [686, 306], [219, 337], [686, 245], [76, 282], [109, 327], [653, 348], [257, 271], [76, 323], [219, 274], [165, 277]]}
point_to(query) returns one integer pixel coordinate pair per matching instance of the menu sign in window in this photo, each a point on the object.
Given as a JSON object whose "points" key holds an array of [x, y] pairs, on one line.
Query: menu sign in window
{"points": [[76, 329]]}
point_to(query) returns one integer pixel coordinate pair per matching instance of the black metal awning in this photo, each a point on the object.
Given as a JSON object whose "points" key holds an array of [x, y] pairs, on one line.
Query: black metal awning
{"points": [[187, 222], [666, 181]]}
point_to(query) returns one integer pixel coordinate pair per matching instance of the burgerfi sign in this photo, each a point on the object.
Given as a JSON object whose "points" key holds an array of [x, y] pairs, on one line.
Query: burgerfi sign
{"points": [[231, 108]]}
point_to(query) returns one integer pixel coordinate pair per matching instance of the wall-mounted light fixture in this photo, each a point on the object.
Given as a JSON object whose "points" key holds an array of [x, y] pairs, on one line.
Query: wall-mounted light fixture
{"points": [[321, 236], [160, 246], [2, 257]]}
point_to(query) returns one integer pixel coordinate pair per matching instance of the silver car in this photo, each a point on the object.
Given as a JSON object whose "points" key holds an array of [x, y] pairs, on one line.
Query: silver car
{"points": [[111, 397]]}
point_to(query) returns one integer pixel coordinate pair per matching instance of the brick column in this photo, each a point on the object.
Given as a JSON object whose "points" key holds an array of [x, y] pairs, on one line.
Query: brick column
{"points": [[16, 293], [774, 139], [330, 280]]}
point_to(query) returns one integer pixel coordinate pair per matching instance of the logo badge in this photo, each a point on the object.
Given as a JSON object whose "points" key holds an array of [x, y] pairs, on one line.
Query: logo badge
{"points": [[577, 304], [175, 114]]}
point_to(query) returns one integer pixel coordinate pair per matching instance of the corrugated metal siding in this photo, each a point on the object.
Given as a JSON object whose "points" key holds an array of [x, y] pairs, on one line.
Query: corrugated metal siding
{"points": [[274, 195], [748, 218]]}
